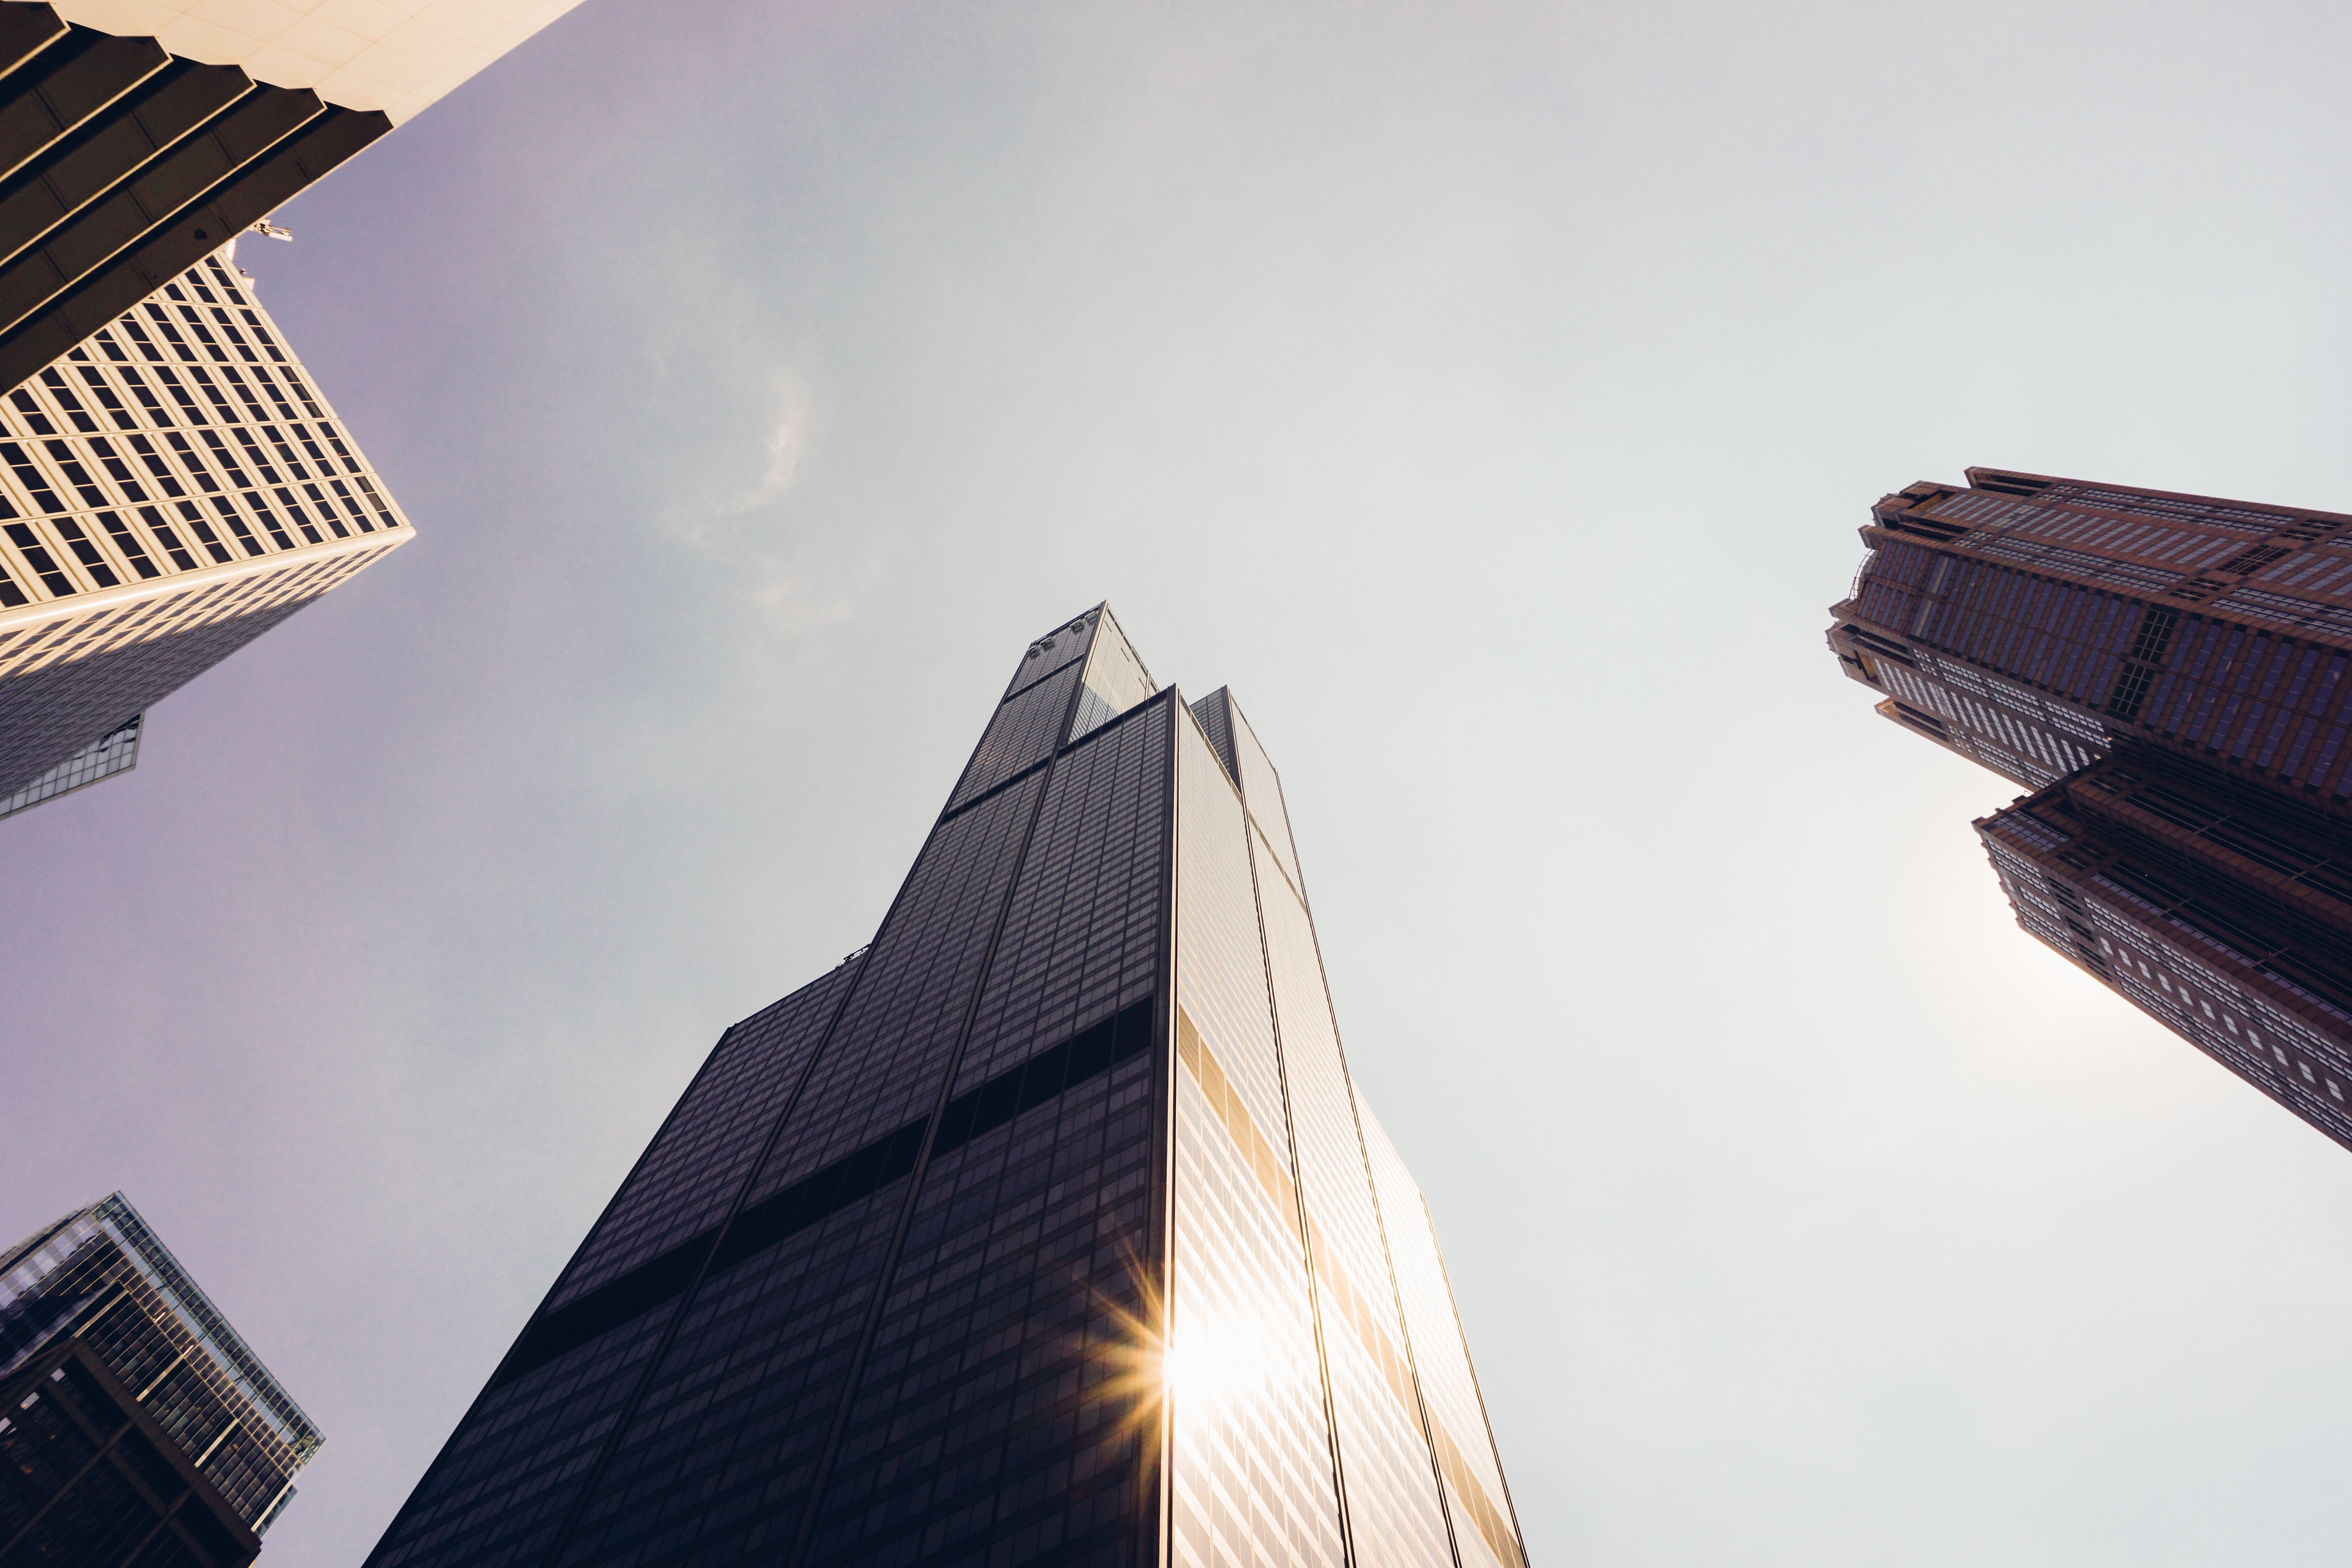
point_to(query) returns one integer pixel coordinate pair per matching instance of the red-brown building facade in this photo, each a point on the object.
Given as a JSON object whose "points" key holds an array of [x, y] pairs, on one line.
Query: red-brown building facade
{"points": [[2167, 674]]}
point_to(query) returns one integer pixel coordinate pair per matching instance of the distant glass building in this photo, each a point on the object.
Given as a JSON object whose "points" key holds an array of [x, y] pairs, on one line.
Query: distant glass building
{"points": [[1047, 1229], [2167, 674], [169, 490], [116, 751], [136, 1428]]}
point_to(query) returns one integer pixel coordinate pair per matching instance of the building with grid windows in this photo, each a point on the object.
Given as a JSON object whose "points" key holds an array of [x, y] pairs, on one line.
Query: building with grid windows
{"points": [[1047, 1229], [174, 487], [137, 135], [136, 1428], [2167, 674]]}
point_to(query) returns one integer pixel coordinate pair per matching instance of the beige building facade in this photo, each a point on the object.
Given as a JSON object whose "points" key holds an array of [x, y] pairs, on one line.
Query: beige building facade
{"points": [[173, 484], [169, 491]]}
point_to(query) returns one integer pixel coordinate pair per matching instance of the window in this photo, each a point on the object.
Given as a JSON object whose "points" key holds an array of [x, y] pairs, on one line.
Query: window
{"points": [[87, 554], [259, 457], [118, 530], [204, 532], [55, 381], [269, 521], [31, 410], [138, 335], [181, 395], [227, 459], [44, 565], [192, 461], [147, 400], [116, 469], [167, 538], [227, 510], [122, 417], [27, 474]]}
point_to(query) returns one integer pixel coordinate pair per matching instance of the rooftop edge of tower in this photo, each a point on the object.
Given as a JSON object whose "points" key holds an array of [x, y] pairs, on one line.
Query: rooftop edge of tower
{"points": [[1918, 508], [1234, 740], [397, 60]]}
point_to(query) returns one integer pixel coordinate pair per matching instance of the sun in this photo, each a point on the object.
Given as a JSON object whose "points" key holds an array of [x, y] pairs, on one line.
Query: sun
{"points": [[1203, 1357]]}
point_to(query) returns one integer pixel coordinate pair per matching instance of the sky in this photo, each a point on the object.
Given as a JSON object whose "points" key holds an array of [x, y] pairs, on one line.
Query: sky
{"points": [[1489, 392]]}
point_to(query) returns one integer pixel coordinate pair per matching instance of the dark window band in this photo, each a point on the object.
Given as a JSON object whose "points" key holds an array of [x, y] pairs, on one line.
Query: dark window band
{"points": [[826, 1192]]}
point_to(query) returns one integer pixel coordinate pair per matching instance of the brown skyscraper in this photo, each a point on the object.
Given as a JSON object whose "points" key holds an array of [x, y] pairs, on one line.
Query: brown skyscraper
{"points": [[2168, 673]]}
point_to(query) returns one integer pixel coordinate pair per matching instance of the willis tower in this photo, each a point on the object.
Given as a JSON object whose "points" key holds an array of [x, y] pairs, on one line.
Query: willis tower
{"points": [[1047, 1229]]}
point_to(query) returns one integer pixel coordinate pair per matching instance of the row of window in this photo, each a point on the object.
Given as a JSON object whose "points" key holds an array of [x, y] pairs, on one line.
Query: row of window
{"points": [[241, 338], [1978, 509], [2130, 576], [2280, 1040], [2157, 990], [55, 640], [176, 536], [2020, 626], [2098, 537], [2015, 767], [2182, 508], [170, 468], [2156, 978], [2302, 613], [2267, 701], [169, 537], [2020, 699], [2060, 636], [207, 275], [113, 752], [2324, 568], [2020, 739], [93, 396]]}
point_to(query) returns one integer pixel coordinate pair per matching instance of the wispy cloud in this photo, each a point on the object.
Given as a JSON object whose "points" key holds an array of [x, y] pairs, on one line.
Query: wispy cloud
{"points": [[749, 530], [785, 445]]}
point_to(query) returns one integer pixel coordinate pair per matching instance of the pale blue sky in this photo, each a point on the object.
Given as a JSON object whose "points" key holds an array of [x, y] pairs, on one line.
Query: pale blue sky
{"points": [[1490, 393]]}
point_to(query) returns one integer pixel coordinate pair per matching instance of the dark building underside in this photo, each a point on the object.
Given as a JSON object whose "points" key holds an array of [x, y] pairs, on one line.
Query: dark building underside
{"points": [[121, 166], [89, 1477]]}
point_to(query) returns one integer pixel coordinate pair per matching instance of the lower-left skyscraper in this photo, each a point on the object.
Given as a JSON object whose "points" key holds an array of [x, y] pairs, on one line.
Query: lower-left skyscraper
{"points": [[136, 1428], [173, 489]]}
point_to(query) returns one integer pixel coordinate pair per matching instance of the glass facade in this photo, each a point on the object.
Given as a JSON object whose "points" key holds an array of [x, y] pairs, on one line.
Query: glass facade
{"points": [[137, 1425], [1253, 1465], [2167, 674], [117, 751], [1041, 1230]]}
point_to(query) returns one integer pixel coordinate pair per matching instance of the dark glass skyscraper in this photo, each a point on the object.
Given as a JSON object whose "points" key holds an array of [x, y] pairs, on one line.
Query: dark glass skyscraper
{"points": [[1047, 1229], [2168, 673]]}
